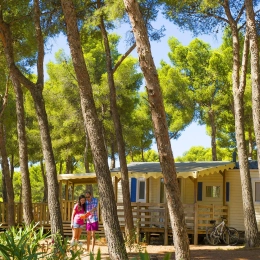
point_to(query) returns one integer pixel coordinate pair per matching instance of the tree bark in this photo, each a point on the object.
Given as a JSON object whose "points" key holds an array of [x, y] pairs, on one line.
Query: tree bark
{"points": [[23, 154], [147, 65], [86, 157], [113, 233], [239, 83], [129, 223], [51, 173], [45, 193], [255, 72], [4, 185], [7, 178]]}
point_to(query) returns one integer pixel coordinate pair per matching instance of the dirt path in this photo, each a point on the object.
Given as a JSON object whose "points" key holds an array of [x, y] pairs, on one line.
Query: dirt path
{"points": [[203, 252]]}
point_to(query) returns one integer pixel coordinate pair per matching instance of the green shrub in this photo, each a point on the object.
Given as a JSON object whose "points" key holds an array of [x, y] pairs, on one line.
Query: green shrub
{"points": [[26, 243]]}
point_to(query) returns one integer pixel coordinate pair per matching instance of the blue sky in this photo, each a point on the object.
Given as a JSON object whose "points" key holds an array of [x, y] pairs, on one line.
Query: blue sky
{"points": [[194, 135]]}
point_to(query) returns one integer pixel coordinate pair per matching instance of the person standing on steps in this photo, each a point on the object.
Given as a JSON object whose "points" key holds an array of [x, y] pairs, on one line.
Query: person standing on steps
{"points": [[91, 220], [76, 219]]}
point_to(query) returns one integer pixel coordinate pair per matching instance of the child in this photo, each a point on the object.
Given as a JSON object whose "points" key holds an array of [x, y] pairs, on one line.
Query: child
{"points": [[76, 220]]}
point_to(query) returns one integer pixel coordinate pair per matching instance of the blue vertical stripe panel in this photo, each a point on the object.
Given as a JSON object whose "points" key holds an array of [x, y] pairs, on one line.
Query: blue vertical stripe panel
{"points": [[199, 198], [133, 189], [227, 190]]}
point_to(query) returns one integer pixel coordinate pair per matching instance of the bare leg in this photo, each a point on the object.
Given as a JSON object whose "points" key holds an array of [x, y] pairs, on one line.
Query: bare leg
{"points": [[93, 240], [88, 239], [73, 235], [77, 232]]}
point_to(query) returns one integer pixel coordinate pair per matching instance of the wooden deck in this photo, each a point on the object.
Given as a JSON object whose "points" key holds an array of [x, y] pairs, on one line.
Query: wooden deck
{"points": [[149, 218]]}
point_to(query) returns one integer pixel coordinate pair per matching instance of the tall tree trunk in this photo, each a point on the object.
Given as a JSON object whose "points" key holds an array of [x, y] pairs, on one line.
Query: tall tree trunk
{"points": [[255, 72], [129, 223], [213, 134], [60, 167], [36, 92], [3, 185], [69, 164], [45, 192], [239, 83], [89, 188], [23, 154], [12, 168], [147, 65], [51, 173], [142, 153], [113, 233], [7, 178]]}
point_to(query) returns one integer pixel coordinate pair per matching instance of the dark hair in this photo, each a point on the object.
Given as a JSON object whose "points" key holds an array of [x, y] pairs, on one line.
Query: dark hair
{"points": [[88, 192], [79, 203]]}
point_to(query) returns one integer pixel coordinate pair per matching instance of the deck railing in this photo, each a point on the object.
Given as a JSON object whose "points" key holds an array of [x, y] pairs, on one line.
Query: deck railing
{"points": [[148, 217]]}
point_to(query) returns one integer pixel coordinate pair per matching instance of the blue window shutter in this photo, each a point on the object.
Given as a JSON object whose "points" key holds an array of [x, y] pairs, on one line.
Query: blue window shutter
{"points": [[133, 189], [227, 190], [199, 198]]}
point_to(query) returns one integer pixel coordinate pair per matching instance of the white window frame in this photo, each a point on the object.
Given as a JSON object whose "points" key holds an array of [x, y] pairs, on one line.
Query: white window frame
{"points": [[253, 182], [139, 180], [205, 184]]}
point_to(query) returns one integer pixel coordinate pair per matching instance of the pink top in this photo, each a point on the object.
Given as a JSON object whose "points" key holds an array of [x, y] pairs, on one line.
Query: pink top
{"points": [[78, 213]]}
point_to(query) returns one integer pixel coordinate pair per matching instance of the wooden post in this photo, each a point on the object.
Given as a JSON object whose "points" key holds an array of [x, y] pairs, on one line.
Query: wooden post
{"points": [[196, 221], [72, 192], [60, 190], [166, 242], [224, 187], [67, 190], [147, 190], [138, 223], [116, 188]]}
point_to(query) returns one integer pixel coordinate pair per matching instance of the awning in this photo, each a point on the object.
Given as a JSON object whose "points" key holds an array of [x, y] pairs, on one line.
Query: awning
{"points": [[78, 178], [183, 169], [153, 169]]}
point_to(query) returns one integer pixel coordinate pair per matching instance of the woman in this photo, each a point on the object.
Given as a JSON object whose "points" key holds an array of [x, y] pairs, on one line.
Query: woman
{"points": [[76, 219]]}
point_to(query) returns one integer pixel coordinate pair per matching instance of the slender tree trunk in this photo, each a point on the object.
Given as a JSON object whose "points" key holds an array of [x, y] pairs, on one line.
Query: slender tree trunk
{"points": [[60, 168], [45, 193], [147, 65], [129, 223], [113, 233], [12, 168], [69, 167], [4, 185], [239, 83], [142, 152], [89, 188], [213, 135], [51, 173], [23, 154], [7, 178], [255, 72]]}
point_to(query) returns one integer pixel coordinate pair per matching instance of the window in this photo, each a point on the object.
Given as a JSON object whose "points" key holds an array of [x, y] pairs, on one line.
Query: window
{"points": [[161, 190], [213, 191], [140, 192], [256, 190]]}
